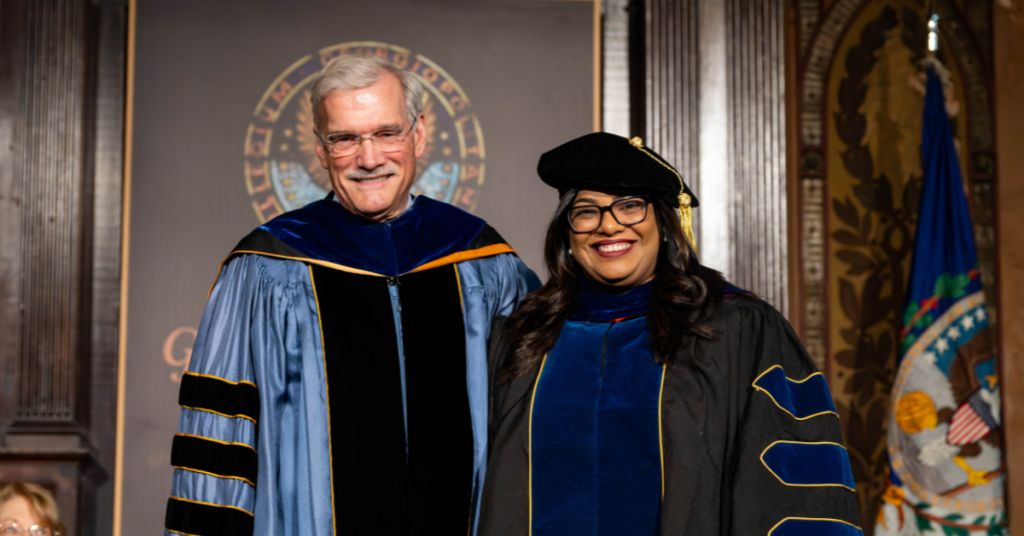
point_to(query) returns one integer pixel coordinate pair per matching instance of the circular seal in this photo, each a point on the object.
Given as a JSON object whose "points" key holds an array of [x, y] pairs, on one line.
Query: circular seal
{"points": [[282, 171], [943, 449]]}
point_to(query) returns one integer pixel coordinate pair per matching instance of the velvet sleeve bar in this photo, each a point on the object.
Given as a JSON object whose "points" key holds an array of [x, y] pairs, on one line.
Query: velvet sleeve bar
{"points": [[214, 453]]}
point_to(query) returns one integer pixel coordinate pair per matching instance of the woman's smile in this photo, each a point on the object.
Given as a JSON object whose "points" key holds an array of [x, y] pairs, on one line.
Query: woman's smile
{"points": [[613, 248]]}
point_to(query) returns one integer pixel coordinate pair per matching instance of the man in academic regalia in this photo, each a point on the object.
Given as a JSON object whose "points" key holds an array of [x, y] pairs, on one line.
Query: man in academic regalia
{"points": [[338, 383]]}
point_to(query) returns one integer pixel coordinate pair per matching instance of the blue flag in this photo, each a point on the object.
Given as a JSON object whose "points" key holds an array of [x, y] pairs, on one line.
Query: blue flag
{"points": [[945, 465]]}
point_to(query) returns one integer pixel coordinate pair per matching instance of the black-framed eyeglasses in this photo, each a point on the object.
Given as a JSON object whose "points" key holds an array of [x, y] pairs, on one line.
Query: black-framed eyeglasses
{"points": [[627, 211], [387, 141]]}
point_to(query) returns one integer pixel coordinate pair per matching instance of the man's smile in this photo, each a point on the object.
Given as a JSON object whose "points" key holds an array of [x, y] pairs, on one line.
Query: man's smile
{"points": [[373, 180]]}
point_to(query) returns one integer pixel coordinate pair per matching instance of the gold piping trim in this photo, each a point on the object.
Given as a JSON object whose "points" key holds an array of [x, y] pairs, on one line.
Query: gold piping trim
{"points": [[183, 468], [217, 441], [765, 391], [813, 519], [211, 504], [661, 436], [529, 445], [458, 283], [221, 379], [327, 395], [221, 414], [486, 251], [765, 464], [685, 211], [640, 145], [300, 259]]}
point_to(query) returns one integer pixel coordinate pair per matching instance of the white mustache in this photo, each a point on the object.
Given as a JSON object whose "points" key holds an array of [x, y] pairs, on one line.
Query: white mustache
{"points": [[358, 174]]}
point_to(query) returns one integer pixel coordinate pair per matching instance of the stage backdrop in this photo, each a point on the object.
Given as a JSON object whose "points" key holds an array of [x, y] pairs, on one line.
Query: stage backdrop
{"points": [[222, 142]]}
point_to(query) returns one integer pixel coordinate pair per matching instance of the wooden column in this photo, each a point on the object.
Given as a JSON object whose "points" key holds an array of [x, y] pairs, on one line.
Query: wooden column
{"points": [[61, 136], [1009, 112], [756, 60], [712, 102]]}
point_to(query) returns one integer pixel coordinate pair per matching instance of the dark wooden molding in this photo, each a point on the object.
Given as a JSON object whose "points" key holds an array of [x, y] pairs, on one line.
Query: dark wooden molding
{"points": [[49, 161]]}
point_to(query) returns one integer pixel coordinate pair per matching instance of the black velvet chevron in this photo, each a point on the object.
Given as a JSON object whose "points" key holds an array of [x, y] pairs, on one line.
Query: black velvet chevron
{"points": [[487, 236], [219, 459], [206, 520], [219, 396]]}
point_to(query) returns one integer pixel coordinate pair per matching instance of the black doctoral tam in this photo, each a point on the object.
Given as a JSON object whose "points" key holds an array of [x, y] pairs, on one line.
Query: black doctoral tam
{"points": [[603, 161]]}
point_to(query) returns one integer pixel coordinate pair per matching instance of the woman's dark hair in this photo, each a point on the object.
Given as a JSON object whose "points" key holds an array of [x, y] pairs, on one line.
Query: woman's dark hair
{"points": [[681, 287]]}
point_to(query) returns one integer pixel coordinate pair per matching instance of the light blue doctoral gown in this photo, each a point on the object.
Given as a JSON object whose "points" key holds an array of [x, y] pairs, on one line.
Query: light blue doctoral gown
{"points": [[261, 328]]}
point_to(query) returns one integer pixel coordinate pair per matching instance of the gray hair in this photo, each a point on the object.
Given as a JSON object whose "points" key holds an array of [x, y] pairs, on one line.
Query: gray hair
{"points": [[354, 72]]}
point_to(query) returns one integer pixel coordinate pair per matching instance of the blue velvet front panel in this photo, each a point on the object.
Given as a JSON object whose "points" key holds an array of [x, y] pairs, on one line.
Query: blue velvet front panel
{"points": [[629, 442], [563, 446], [815, 527], [809, 464], [595, 445], [802, 399], [426, 231]]}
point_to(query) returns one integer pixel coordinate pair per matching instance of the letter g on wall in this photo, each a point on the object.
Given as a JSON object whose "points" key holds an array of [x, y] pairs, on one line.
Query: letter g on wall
{"points": [[179, 343]]}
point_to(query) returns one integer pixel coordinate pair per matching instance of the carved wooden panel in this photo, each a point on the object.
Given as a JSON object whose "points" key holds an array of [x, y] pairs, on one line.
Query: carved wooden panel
{"points": [[51, 167], [713, 104], [756, 74], [671, 84]]}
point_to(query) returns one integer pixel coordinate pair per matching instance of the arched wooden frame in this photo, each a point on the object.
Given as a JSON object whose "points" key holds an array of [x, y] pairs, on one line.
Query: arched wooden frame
{"points": [[819, 35]]}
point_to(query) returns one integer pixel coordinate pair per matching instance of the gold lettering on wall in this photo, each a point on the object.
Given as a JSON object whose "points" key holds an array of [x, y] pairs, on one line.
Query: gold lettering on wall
{"points": [[178, 350]]}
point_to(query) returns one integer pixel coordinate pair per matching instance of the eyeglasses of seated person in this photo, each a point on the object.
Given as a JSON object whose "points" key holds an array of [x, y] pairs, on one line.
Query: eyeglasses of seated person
{"points": [[12, 527], [28, 510]]}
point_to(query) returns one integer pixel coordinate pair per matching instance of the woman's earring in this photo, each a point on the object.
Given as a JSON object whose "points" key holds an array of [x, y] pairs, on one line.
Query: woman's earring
{"points": [[570, 252], [664, 238]]}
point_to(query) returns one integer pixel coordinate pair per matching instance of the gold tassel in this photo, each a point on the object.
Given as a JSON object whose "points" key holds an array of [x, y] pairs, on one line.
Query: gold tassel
{"points": [[686, 219], [685, 211]]}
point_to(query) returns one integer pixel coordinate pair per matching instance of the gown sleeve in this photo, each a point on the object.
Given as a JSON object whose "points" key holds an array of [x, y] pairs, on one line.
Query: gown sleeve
{"points": [[214, 453], [790, 473], [516, 281]]}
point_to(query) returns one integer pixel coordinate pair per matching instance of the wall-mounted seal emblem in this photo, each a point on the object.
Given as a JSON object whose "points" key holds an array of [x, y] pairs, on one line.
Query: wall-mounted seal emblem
{"points": [[282, 172]]}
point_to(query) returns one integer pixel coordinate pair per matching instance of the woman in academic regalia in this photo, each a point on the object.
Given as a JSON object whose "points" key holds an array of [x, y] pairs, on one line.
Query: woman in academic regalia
{"points": [[638, 392]]}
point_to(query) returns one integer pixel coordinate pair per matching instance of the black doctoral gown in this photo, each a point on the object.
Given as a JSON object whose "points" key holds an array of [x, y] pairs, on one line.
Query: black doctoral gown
{"points": [[745, 428]]}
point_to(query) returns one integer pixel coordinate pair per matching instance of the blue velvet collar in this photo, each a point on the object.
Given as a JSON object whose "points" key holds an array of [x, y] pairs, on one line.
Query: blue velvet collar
{"points": [[596, 305], [428, 230]]}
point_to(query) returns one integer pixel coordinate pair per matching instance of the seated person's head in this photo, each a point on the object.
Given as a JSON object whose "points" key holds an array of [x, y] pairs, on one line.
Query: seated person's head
{"points": [[28, 509]]}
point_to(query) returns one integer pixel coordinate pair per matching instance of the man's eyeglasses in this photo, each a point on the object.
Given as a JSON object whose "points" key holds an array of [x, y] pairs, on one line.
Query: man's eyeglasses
{"points": [[10, 528], [628, 211], [387, 141]]}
